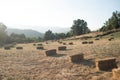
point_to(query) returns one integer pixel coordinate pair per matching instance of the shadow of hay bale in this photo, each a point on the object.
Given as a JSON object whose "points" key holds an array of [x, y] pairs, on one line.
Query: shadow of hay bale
{"points": [[87, 62], [58, 55], [68, 49], [19, 48], [97, 38]]}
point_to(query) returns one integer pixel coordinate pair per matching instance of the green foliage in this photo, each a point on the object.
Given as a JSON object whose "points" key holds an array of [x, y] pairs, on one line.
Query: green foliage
{"points": [[55, 36], [79, 27], [112, 23], [19, 38], [48, 35], [3, 34], [60, 35]]}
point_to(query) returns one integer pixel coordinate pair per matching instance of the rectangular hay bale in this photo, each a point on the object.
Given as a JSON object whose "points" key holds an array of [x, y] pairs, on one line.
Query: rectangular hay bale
{"points": [[84, 42], [106, 64], [90, 42], [64, 43], [62, 48], [39, 44], [50, 52], [34, 44], [76, 57], [110, 39], [40, 47], [19, 47], [71, 43]]}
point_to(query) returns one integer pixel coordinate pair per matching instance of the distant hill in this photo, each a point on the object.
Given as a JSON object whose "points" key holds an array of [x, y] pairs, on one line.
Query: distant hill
{"points": [[54, 29], [28, 33]]}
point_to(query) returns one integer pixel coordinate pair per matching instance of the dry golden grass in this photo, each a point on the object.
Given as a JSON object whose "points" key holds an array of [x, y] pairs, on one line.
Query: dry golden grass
{"points": [[32, 64]]}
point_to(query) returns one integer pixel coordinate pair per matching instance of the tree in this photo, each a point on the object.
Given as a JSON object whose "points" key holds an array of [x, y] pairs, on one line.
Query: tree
{"points": [[68, 34], [19, 38], [59, 35], [3, 34], [49, 35], [79, 27], [112, 23]]}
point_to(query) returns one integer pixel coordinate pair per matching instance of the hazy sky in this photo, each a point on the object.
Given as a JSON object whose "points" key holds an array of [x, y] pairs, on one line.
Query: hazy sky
{"points": [[55, 13]]}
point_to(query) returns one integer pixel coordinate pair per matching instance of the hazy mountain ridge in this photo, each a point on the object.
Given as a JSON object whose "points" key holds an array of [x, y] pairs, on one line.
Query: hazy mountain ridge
{"points": [[54, 29], [28, 32], [36, 33]]}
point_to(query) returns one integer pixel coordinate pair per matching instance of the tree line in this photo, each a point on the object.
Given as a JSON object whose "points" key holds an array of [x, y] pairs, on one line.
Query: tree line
{"points": [[79, 27], [112, 23], [14, 38]]}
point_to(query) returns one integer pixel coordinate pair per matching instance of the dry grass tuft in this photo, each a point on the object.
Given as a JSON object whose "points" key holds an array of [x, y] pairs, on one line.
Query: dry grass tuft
{"points": [[116, 73]]}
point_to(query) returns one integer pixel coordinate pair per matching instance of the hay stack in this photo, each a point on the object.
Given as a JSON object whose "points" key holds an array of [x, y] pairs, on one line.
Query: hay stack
{"points": [[19, 47], [116, 73], [62, 48], [106, 64], [64, 43], [50, 52], [7, 48], [39, 44], [46, 42], [76, 57], [34, 44], [84, 42], [110, 39], [90, 42], [40, 47], [70, 43]]}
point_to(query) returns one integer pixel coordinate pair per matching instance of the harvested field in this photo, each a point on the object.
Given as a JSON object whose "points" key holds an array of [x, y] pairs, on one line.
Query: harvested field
{"points": [[32, 64]]}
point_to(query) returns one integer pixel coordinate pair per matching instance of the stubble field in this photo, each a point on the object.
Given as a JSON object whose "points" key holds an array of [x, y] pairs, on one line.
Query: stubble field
{"points": [[33, 64]]}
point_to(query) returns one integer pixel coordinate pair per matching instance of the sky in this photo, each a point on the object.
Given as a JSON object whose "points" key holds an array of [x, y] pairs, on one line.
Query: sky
{"points": [[36, 14]]}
